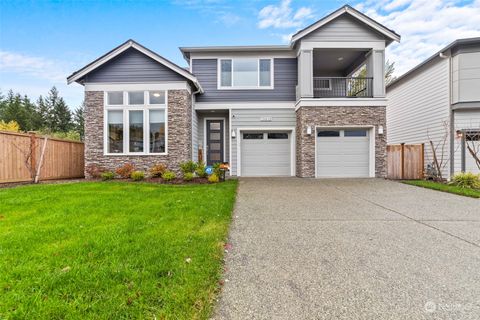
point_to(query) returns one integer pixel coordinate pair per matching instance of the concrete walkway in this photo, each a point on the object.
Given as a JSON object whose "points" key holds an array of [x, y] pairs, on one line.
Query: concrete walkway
{"points": [[351, 249]]}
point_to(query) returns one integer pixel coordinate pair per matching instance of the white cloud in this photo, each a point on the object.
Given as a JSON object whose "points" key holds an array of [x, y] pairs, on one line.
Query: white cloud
{"points": [[425, 26], [282, 16]]}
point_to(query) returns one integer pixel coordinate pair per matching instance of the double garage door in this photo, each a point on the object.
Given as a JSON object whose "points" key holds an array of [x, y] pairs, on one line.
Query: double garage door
{"points": [[265, 154], [343, 153]]}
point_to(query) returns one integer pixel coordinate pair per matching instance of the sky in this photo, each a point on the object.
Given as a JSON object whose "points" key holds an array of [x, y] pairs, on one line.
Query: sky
{"points": [[42, 42]]}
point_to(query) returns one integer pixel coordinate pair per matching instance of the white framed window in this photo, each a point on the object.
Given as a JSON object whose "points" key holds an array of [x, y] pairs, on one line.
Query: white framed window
{"points": [[245, 73], [136, 122]]}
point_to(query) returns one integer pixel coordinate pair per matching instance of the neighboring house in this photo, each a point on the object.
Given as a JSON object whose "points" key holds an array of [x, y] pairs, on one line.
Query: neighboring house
{"points": [[439, 100], [279, 110]]}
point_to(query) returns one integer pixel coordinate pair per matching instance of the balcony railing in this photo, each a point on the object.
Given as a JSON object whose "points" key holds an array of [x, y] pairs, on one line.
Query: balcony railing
{"points": [[337, 87]]}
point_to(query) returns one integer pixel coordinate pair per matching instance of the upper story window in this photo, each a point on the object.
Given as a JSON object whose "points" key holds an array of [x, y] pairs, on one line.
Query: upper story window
{"points": [[135, 122], [245, 73]]}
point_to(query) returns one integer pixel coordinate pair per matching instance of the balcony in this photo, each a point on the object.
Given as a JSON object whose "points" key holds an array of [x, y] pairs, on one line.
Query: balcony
{"points": [[342, 87]]}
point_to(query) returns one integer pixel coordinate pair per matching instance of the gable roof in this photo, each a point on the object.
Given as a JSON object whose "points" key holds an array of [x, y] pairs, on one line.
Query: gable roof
{"points": [[388, 33], [437, 55], [79, 74]]}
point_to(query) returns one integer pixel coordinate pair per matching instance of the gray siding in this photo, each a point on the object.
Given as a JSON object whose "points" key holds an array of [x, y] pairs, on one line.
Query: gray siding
{"points": [[417, 109], [466, 76], [344, 28], [132, 66], [285, 81], [194, 135], [250, 118]]}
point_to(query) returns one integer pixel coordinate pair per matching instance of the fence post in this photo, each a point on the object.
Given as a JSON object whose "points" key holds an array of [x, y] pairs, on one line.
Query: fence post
{"points": [[402, 172], [422, 167], [33, 154]]}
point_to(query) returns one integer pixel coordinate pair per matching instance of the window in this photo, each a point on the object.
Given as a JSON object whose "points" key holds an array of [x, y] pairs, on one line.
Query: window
{"points": [[355, 133], [253, 136], [115, 131], [472, 135], [328, 133], [277, 135], [115, 98], [245, 73], [138, 126]]}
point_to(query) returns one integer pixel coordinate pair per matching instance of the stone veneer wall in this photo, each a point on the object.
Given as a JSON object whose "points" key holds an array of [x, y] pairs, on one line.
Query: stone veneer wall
{"points": [[179, 134], [337, 116]]}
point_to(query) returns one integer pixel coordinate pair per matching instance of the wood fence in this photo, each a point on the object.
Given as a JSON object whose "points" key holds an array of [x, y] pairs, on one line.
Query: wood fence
{"points": [[20, 155], [405, 161]]}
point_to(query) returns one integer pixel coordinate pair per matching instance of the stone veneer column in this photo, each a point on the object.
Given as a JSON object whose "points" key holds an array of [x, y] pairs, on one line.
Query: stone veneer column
{"points": [[337, 116], [179, 130]]}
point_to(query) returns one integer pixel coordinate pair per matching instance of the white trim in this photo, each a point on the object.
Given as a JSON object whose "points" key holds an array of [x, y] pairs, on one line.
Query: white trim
{"points": [[119, 86], [310, 45], [338, 13], [341, 102], [266, 129], [205, 135], [252, 54], [148, 53], [243, 105], [230, 139], [371, 138], [126, 108], [257, 87]]}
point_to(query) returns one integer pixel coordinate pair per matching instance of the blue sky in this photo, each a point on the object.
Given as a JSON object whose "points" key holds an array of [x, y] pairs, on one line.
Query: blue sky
{"points": [[42, 42]]}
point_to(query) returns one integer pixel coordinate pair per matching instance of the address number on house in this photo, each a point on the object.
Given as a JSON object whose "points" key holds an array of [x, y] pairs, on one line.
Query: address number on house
{"points": [[266, 119]]}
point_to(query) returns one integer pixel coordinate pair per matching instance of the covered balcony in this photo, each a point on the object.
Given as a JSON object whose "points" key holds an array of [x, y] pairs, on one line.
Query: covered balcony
{"points": [[340, 73]]}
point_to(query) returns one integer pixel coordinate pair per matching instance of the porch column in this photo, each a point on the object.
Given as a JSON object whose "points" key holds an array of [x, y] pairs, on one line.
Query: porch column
{"points": [[376, 69], [305, 74]]}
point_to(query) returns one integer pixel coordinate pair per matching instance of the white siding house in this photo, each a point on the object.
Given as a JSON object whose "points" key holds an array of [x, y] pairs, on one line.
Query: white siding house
{"points": [[436, 101]]}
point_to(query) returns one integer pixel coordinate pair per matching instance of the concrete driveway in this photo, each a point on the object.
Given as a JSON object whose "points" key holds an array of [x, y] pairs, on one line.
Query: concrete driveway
{"points": [[351, 249]]}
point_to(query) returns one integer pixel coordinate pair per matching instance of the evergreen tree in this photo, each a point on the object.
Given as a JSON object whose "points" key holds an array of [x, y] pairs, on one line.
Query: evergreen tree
{"points": [[43, 114], [79, 121], [60, 116], [13, 109]]}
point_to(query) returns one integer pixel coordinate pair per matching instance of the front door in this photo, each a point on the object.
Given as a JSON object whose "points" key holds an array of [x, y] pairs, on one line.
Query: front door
{"points": [[215, 141]]}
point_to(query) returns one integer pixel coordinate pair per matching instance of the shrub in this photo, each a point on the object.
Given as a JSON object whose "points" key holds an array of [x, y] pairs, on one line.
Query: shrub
{"points": [[188, 176], [466, 180], [213, 178], [137, 175], [12, 126], [94, 171], [169, 175], [200, 171], [157, 170], [125, 171], [188, 166], [216, 169], [107, 175]]}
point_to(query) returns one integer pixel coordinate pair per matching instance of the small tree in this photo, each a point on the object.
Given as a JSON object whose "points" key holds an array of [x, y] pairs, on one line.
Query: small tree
{"points": [[79, 121]]}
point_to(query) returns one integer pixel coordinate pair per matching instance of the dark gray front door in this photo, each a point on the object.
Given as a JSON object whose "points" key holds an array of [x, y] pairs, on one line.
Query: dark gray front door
{"points": [[215, 143]]}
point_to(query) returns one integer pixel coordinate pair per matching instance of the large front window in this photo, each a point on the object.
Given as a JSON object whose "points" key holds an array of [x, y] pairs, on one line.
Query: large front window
{"points": [[136, 122], [245, 73]]}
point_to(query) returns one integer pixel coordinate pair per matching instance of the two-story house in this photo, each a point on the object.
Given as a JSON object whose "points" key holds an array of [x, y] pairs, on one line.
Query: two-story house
{"points": [[278, 110], [439, 101]]}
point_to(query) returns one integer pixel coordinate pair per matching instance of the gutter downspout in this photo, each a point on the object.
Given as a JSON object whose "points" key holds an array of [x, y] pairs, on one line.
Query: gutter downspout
{"points": [[451, 115]]}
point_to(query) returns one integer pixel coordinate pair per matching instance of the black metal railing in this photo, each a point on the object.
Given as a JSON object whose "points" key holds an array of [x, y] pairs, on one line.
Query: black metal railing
{"points": [[338, 87]]}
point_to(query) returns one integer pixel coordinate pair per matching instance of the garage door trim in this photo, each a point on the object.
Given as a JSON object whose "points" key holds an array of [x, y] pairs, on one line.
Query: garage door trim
{"points": [[371, 136], [266, 129]]}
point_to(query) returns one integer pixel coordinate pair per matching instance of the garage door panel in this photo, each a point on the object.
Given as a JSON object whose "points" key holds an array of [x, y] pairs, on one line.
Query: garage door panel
{"points": [[266, 157], [343, 156]]}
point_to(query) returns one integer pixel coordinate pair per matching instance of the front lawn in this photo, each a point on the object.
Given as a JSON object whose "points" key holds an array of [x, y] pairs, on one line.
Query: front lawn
{"points": [[112, 250], [444, 187]]}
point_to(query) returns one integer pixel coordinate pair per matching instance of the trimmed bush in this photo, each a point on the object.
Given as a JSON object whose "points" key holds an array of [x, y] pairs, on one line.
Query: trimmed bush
{"points": [[169, 175], [466, 180], [137, 175], [157, 170], [188, 176], [213, 178], [188, 166], [107, 175], [200, 171], [125, 171]]}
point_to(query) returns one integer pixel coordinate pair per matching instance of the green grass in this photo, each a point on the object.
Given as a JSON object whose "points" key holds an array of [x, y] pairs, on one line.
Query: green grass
{"points": [[444, 187], [112, 250]]}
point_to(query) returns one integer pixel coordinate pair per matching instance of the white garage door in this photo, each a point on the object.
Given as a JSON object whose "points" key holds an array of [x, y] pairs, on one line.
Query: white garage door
{"points": [[265, 154], [343, 153]]}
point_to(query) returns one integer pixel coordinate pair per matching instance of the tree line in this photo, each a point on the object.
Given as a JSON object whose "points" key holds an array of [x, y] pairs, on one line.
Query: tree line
{"points": [[48, 115]]}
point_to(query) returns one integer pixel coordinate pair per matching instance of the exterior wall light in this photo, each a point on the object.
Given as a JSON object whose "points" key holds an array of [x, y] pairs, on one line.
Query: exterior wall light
{"points": [[380, 129], [233, 134], [309, 130]]}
